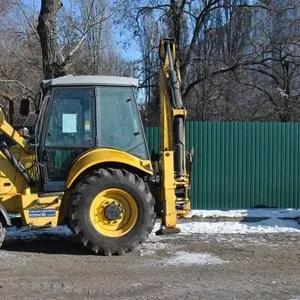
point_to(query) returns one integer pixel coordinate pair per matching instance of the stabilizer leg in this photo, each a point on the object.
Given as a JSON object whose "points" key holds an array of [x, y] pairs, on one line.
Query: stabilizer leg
{"points": [[163, 230]]}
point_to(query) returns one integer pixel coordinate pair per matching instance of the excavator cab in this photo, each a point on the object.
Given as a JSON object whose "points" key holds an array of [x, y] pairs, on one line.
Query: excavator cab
{"points": [[92, 112]]}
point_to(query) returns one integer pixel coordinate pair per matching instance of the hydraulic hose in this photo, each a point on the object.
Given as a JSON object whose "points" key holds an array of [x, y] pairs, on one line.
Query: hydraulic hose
{"points": [[18, 166]]}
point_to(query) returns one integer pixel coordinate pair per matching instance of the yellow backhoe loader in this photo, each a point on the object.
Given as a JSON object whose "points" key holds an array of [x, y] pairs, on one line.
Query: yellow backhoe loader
{"points": [[87, 164]]}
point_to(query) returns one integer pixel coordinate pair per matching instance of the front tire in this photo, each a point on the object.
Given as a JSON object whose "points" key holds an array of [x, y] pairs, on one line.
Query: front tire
{"points": [[111, 211]]}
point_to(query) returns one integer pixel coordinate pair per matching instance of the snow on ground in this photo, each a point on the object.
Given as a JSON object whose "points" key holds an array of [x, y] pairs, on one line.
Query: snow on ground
{"points": [[151, 246], [255, 212], [196, 259], [272, 225], [204, 232]]}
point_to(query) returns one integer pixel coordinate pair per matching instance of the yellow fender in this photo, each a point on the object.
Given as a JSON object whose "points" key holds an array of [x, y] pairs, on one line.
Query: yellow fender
{"points": [[106, 155]]}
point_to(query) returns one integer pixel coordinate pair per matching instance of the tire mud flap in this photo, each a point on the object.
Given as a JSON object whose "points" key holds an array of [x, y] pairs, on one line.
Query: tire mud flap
{"points": [[5, 215]]}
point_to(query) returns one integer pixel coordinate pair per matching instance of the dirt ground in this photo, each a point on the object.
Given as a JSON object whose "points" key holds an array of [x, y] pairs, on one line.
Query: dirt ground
{"points": [[252, 266]]}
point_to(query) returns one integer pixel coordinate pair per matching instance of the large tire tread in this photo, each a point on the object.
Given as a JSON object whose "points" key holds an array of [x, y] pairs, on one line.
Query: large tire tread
{"points": [[118, 175]]}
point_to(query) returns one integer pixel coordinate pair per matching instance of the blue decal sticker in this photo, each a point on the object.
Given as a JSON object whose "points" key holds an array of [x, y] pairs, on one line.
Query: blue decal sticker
{"points": [[41, 213]]}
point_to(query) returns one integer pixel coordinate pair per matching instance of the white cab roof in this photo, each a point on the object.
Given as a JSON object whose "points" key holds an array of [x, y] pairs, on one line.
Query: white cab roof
{"points": [[90, 80]]}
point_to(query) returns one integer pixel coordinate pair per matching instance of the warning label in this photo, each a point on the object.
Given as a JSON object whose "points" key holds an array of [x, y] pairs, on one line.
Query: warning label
{"points": [[41, 213]]}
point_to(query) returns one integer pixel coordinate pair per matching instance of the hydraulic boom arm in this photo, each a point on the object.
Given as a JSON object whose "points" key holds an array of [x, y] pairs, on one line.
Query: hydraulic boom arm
{"points": [[175, 177], [11, 133]]}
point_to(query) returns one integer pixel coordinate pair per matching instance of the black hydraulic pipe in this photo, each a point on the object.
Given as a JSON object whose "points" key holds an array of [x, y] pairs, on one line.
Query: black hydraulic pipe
{"points": [[178, 123], [174, 82], [21, 170], [179, 147], [170, 57], [11, 111]]}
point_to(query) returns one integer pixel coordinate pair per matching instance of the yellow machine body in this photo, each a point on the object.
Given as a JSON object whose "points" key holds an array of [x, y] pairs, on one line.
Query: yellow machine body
{"points": [[17, 198], [110, 180], [102, 156]]}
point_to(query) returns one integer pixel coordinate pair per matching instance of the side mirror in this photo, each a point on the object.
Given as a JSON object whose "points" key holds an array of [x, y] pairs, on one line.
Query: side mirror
{"points": [[24, 107]]}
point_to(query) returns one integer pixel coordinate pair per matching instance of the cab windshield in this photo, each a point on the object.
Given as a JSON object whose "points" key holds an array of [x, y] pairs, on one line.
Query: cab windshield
{"points": [[118, 121]]}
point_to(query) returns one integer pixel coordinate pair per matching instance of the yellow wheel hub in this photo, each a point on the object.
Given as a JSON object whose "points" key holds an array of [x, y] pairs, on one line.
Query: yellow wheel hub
{"points": [[113, 212]]}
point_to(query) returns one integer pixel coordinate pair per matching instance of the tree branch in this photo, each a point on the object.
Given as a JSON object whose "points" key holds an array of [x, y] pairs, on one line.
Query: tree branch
{"points": [[28, 21], [199, 80], [19, 83], [83, 37]]}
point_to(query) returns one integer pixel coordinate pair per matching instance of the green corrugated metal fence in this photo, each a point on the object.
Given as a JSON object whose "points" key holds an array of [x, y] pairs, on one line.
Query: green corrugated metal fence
{"points": [[242, 165]]}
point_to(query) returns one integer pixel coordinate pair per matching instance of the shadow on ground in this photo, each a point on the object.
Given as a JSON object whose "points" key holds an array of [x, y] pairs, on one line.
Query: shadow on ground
{"points": [[46, 246], [57, 240]]}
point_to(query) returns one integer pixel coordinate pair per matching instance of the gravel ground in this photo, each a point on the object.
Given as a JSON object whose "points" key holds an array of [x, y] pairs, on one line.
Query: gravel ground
{"points": [[214, 266]]}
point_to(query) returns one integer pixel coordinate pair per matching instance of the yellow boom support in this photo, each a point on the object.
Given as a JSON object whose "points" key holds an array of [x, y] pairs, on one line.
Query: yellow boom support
{"points": [[175, 178]]}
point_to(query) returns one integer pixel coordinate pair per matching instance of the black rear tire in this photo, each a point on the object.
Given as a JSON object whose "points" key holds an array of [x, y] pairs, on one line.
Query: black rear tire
{"points": [[2, 234], [81, 203]]}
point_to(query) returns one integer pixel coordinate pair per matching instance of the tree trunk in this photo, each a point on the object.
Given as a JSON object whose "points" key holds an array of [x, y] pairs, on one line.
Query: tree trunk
{"points": [[53, 62]]}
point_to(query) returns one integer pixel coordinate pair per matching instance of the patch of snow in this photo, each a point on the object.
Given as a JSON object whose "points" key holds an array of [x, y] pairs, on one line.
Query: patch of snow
{"points": [[150, 247], [137, 284], [255, 212], [267, 226], [196, 259], [156, 227]]}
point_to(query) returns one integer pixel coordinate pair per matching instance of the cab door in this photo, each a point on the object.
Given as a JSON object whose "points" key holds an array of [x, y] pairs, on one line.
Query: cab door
{"points": [[69, 132]]}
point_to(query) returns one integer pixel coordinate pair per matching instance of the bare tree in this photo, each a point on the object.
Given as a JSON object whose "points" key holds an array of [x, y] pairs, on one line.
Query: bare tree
{"points": [[68, 36], [53, 61], [213, 38], [275, 39], [20, 59], [56, 60]]}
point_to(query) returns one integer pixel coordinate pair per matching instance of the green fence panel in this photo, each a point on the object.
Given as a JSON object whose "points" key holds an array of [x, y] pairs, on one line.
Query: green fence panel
{"points": [[242, 164]]}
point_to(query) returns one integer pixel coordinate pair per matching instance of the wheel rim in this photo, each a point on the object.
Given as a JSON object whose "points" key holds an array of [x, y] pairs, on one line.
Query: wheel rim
{"points": [[123, 221]]}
